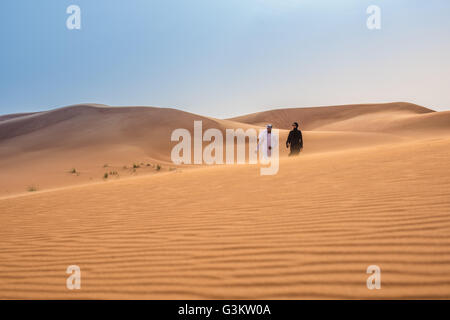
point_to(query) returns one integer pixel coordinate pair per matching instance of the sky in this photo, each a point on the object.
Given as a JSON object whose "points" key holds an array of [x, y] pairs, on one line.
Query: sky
{"points": [[223, 58]]}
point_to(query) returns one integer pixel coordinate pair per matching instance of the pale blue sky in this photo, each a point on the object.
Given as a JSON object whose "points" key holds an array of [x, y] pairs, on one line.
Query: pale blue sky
{"points": [[223, 57]]}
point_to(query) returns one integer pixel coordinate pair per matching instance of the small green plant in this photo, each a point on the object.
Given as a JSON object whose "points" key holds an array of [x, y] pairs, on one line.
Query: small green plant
{"points": [[73, 171], [158, 167], [32, 188], [135, 166], [105, 176]]}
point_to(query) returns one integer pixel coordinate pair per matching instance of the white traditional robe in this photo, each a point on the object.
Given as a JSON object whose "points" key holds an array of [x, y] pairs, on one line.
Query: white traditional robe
{"points": [[264, 143]]}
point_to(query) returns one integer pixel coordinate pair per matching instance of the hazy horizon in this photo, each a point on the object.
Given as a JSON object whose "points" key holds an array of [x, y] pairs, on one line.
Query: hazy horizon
{"points": [[223, 58]]}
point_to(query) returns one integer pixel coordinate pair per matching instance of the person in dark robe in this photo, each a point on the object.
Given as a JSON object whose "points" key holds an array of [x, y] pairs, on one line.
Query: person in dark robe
{"points": [[295, 140]]}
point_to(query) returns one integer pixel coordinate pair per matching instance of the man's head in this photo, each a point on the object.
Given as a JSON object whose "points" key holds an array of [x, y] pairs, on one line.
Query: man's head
{"points": [[295, 125], [269, 128]]}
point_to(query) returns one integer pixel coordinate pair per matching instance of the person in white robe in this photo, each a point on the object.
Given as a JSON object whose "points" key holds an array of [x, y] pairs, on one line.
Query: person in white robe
{"points": [[267, 141]]}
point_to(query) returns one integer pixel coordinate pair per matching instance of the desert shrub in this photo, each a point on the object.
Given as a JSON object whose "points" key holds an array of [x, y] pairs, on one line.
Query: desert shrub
{"points": [[158, 167], [105, 176]]}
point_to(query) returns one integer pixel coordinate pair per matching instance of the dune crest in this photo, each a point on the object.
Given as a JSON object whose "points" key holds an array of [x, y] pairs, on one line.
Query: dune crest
{"points": [[315, 117]]}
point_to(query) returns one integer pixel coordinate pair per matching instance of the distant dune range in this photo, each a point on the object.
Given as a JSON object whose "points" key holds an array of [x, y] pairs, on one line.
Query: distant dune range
{"points": [[372, 186], [384, 118]]}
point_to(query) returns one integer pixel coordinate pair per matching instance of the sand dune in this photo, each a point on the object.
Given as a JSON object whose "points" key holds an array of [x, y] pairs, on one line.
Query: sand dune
{"points": [[320, 117], [41, 149], [372, 187], [148, 128]]}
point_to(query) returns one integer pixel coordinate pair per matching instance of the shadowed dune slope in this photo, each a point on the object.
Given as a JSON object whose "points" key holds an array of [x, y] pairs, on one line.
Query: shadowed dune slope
{"points": [[148, 128], [14, 115], [40, 149]]}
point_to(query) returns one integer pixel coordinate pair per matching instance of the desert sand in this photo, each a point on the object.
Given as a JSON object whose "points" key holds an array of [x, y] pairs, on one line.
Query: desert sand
{"points": [[371, 187]]}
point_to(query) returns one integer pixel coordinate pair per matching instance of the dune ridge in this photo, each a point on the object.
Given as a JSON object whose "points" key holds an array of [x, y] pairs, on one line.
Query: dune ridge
{"points": [[313, 118]]}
